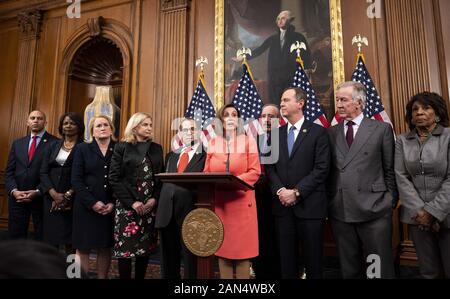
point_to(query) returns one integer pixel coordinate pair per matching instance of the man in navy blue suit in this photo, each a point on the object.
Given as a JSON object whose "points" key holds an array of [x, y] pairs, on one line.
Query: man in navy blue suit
{"points": [[297, 180], [22, 178], [176, 202]]}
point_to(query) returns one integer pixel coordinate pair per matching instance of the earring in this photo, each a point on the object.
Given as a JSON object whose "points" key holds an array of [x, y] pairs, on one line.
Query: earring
{"points": [[437, 119]]}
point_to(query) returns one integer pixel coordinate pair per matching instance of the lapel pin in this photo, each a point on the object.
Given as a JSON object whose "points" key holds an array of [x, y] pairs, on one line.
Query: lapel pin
{"points": [[45, 140], [304, 131]]}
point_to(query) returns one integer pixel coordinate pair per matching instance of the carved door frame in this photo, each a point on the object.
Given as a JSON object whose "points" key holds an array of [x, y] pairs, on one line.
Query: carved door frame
{"points": [[95, 27]]}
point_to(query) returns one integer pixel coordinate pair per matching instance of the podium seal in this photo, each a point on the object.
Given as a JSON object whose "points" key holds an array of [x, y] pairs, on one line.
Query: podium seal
{"points": [[202, 232]]}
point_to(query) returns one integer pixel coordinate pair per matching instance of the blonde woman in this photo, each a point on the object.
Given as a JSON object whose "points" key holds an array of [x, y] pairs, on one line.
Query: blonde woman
{"points": [[94, 205], [134, 164]]}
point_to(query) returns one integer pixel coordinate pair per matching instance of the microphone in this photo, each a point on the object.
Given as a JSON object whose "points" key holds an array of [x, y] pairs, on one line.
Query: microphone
{"points": [[227, 165]]}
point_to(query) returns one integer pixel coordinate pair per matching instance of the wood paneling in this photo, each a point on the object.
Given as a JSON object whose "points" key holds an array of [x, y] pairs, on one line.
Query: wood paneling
{"points": [[172, 67], [3, 202], [30, 29], [407, 54], [202, 29], [8, 76], [146, 81], [440, 8], [375, 54]]}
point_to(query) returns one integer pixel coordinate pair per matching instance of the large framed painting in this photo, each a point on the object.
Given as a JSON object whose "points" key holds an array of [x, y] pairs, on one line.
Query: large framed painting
{"points": [[253, 24]]}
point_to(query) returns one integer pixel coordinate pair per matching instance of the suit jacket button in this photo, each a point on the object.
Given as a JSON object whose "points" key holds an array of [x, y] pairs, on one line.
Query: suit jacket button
{"points": [[342, 170]]}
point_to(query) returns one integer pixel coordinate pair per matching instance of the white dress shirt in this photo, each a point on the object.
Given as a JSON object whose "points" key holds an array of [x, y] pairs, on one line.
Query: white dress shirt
{"points": [[298, 125], [38, 138], [357, 122]]}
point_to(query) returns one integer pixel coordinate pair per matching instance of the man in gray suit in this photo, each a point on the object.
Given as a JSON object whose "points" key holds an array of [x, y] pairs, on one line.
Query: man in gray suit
{"points": [[361, 189]]}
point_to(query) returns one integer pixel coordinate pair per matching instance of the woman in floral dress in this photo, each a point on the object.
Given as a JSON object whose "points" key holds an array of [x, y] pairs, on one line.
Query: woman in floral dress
{"points": [[134, 164]]}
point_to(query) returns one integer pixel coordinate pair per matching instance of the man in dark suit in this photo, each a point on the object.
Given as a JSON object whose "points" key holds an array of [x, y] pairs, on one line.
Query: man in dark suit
{"points": [[298, 181], [266, 265], [362, 188], [176, 202], [281, 64], [22, 178]]}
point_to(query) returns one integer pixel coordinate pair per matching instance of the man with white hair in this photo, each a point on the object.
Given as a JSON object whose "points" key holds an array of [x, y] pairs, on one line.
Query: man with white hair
{"points": [[281, 62], [361, 189]]}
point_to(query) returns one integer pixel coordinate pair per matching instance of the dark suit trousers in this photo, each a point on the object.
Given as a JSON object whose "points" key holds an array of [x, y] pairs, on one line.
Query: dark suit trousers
{"points": [[173, 248], [433, 252], [19, 218], [266, 265], [290, 230], [355, 241]]}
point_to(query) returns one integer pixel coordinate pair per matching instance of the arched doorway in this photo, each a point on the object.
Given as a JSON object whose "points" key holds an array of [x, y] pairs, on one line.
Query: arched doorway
{"points": [[98, 62], [85, 46]]}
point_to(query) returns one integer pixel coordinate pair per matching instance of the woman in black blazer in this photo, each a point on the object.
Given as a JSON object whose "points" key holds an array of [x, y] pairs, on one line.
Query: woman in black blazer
{"points": [[93, 217], [134, 164], [56, 182]]}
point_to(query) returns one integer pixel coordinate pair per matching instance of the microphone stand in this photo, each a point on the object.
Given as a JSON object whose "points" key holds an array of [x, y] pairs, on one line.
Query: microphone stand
{"points": [[227, 165]]}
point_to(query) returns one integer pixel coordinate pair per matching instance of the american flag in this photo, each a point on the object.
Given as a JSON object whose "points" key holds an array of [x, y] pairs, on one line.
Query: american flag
{"points": [[202, 111], [313, 111], [248, 102], [374, 107]]}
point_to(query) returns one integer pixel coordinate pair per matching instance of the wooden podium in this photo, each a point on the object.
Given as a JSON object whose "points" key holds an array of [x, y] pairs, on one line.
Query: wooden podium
{"points": [[205, 184]]}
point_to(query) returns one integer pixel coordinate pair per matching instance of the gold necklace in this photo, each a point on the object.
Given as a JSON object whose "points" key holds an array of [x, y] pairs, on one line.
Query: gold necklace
{"points": [[67, 147]]}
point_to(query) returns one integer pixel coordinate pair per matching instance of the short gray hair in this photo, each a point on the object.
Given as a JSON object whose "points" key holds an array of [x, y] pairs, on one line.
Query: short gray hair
{"points": [[272, 105], [359, 91]]}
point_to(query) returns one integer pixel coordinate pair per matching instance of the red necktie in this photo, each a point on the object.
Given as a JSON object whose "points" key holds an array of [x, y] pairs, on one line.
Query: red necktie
{"points": [[184, 160], [32, 149]]}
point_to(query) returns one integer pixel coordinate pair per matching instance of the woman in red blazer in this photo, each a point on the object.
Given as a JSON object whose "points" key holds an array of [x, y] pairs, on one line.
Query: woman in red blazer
{"points": [[236, 209]]}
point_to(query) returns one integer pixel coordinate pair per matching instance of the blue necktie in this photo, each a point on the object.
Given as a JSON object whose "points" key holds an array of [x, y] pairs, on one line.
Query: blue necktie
{"points": [[291, 139]]}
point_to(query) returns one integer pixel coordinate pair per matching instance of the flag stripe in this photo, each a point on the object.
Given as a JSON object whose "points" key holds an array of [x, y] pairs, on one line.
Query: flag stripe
{"points": [[313, 110]]}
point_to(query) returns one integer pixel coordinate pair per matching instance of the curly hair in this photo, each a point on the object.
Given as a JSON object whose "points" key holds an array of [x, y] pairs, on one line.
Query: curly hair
{"points": [[431, 99]]}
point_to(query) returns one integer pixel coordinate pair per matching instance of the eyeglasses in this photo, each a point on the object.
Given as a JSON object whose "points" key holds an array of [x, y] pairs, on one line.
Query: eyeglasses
{"points": [[186, 130]]}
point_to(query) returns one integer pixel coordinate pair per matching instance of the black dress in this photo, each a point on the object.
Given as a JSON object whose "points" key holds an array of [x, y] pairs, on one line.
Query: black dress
{"points": [[90, 170], [57, 225], [136, 235]]}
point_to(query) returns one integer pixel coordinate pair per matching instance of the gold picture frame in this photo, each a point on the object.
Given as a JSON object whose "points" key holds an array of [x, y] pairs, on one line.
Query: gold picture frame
{"points": [[336, 44]]}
